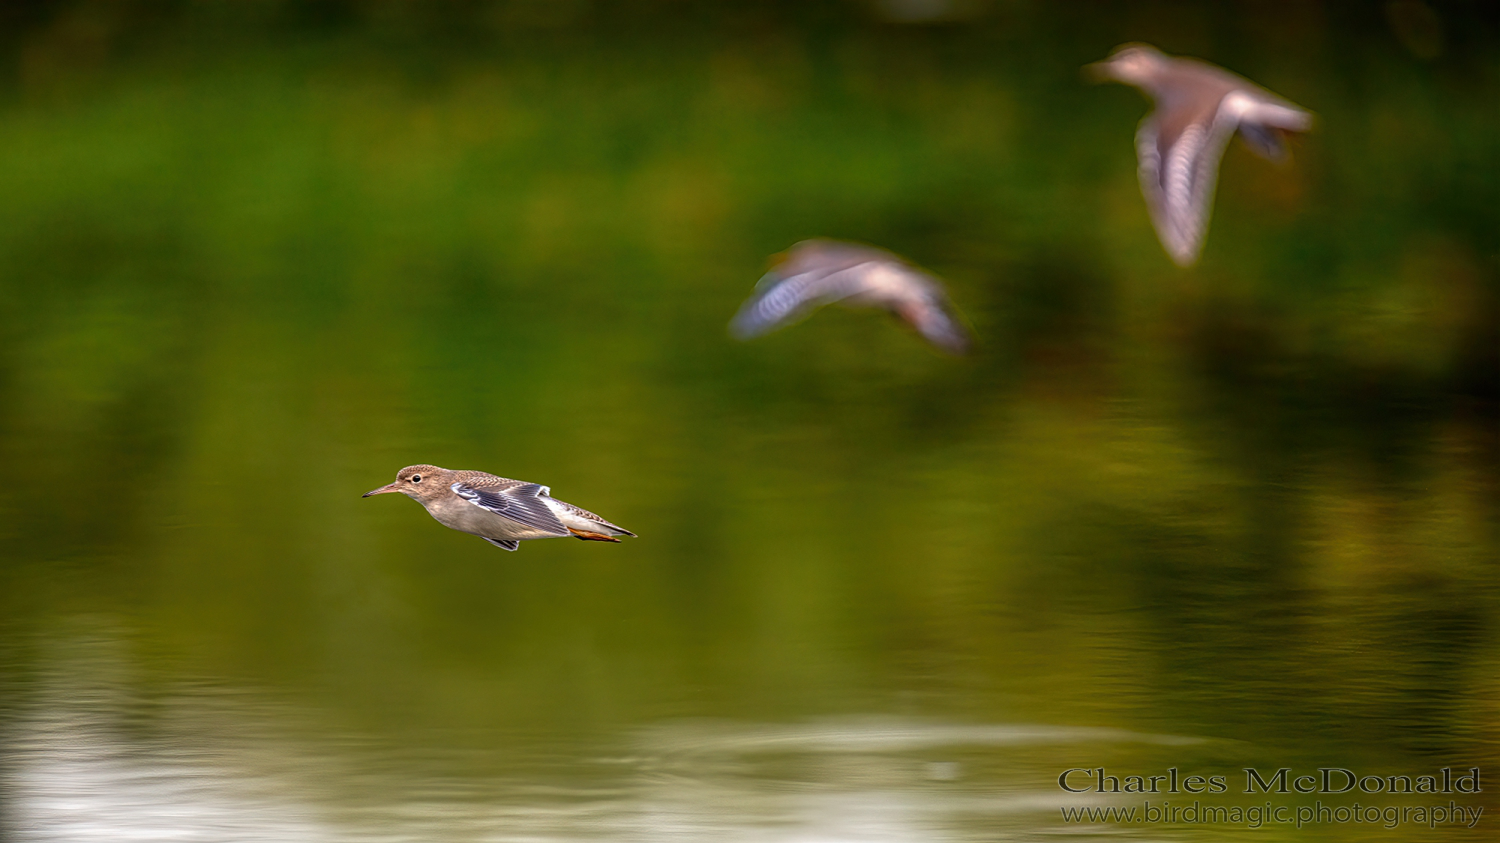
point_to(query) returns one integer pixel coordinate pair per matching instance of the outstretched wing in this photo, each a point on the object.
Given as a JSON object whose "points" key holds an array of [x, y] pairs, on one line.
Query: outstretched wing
{"points": [[521, 503], [935, 319], [1178, 179], [781, 298], [1179, 170], [819, 272], [1264, 121]]}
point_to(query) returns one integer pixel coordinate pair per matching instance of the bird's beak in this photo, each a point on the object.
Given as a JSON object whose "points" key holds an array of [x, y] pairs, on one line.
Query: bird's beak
{"points": [[1099, 71], [389, 487]]}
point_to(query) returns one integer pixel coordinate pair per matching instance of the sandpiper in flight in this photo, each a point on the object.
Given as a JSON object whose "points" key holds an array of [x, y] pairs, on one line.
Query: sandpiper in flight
{"points": [[502, 512], [819, 272], [1198, 108]]}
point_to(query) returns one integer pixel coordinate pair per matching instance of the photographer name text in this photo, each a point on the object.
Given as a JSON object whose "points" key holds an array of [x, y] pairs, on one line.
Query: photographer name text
{"points": [[1323, 780]]}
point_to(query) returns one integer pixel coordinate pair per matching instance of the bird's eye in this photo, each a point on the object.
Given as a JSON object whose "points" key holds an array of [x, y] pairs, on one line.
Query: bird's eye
{"points": [[416, 478]]}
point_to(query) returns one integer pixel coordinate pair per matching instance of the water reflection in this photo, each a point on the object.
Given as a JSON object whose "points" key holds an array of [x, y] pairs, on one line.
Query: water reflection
{"points": [[79, 769], [89, 759]]}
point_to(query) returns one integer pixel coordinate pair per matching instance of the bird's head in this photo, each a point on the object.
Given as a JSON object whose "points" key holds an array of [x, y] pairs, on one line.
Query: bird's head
{"points": [[1133, 64], [422, 482]]}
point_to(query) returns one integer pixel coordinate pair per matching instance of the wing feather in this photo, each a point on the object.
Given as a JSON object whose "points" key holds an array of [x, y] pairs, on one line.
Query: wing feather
{"points": [[937, 321], [785, 299], [521, 503], [1178, 182], [819, 272]]}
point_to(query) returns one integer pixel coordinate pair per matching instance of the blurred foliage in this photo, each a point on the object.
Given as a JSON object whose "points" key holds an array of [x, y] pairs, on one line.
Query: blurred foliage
{"points": [[256, 257]]}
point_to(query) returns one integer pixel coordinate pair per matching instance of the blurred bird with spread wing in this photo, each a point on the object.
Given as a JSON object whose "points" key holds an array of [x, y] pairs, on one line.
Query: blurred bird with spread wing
{"points": [[1199, 107], [819, 272]]}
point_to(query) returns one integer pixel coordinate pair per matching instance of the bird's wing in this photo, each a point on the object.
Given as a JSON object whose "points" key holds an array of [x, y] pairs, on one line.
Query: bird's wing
{"points": [[1264, 119], [936, 319], [917, 297], [1178, 177], [521, 503], [780, 297]]}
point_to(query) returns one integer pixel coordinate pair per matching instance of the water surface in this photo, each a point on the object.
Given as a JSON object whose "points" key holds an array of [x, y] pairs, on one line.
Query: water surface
{"points": [[1237, 516]]}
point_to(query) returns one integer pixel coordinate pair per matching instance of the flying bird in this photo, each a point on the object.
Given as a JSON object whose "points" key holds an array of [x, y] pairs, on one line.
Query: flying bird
{"points": [[1199, 107], [818, 272], [502, 512]]}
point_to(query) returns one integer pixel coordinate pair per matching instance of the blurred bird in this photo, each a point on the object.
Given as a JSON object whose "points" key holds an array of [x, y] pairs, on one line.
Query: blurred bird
{"points": [[500, 511], [817, 272], [1198, 108]]}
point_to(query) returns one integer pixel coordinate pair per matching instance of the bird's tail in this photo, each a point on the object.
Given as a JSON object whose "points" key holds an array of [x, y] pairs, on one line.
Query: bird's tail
{"points": [[586, 525]]}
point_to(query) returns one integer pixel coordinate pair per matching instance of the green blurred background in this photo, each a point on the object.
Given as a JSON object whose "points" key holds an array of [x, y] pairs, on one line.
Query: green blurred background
{"points": [[255, 257]]}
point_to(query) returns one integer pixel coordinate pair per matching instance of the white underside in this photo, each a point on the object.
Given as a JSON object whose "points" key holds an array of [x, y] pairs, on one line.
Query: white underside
{"points": [[466, 517]]}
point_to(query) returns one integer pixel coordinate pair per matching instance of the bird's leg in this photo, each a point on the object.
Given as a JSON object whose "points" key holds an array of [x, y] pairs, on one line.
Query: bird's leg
{"points": [[587, 536]]}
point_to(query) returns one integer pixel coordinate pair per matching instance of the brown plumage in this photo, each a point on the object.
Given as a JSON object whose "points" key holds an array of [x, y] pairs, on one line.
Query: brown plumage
{"points": [[1179, 145], [819, 272], [499, 510]]}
